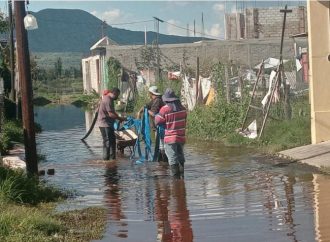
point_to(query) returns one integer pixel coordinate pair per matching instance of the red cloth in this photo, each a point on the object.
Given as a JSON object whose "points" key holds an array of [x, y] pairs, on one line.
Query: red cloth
{"points": [[105, 92]]}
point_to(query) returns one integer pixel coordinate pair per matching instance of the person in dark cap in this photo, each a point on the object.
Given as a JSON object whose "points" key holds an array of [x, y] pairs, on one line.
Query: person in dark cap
{"points": [[106, 118], [173, 115]]}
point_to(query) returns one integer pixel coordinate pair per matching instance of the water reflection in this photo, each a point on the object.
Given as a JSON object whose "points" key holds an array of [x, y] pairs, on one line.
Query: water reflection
{"points": [[228, 194], [113, 198], [171, 212], [322, 207]]}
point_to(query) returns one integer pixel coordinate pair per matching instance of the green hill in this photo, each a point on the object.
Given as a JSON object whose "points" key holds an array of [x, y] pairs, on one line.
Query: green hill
{"points": [[67, 30]]}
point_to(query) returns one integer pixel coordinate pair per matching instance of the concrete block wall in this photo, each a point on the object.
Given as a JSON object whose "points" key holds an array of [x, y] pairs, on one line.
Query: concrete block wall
{"points": [[244, 52], [267, 23], [270, 21]]}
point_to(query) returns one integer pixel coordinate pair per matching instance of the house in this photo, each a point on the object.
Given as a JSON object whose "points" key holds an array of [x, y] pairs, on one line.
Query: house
{"points": [[94, 68], [95, 72]]}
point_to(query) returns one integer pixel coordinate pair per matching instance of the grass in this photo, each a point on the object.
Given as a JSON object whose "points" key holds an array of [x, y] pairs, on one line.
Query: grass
{"points": [[10, 132], [27, 212], [25, 223], [16, 187], [220, 121]]}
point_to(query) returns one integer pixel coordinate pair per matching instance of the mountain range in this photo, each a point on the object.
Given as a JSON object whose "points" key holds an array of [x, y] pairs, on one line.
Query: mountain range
{"points": [[67, 30]]}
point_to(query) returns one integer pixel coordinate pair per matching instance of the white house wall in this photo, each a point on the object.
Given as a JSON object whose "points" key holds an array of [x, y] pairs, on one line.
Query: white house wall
{"points": [[91, 74]]}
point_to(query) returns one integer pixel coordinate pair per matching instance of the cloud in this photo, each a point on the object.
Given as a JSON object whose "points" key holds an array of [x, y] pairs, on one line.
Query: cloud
{"points": [[110, 16], [172, 30], [218, 7], [178, 3], [233, 9], [215, 31]]}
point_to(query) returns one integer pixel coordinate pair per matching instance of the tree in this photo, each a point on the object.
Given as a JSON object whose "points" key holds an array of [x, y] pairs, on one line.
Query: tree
{"points": [[148, 56], [4, 55], [58, 67], [34, 68], [3, 23], [114, 68]]}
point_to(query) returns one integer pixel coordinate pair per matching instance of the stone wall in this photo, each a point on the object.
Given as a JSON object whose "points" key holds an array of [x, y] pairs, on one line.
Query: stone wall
{"points": [[244, 52]]}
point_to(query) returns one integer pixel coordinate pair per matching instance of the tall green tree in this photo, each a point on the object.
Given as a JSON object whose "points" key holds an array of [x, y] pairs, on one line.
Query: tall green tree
{"points": [[114, 69], [4, 55], [58, 67]]}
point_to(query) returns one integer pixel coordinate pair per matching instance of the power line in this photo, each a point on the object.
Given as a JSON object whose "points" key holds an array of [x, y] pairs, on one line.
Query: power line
{"points": [[215, 37], [93, 24]]}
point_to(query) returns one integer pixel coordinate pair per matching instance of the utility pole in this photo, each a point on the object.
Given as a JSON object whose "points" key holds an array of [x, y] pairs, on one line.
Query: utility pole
{"points": [[287, 106], [194, 29], [103, 28], [11, 50], [285, 11], [197, 80], [157, 20], [23, 61], [203, 26]]}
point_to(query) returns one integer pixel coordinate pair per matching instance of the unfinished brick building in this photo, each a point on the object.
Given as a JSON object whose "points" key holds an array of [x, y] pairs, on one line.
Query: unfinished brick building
{"points": [[259, 23]]}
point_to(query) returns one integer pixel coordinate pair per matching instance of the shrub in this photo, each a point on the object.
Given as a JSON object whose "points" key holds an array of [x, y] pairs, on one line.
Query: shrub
{"points": [[16, 187], [11, 131]]}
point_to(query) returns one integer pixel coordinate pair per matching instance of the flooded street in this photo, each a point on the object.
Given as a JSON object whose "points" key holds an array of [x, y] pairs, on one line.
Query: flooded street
{"points": [[228, 194]]}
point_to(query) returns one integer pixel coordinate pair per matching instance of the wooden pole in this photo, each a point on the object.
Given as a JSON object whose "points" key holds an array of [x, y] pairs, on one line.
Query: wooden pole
{"points": [[240, 83], [285, 86], [227, 85], [253, 91], [26, 89], [270, 100], [11, 51], [197, 79]]}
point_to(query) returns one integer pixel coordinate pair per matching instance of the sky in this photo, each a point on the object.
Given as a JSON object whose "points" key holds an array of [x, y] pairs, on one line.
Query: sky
{"points": [[178, 16]]}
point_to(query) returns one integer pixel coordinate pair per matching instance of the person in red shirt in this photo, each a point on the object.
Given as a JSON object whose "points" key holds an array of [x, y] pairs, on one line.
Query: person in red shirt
{"points": [[173, 115]]}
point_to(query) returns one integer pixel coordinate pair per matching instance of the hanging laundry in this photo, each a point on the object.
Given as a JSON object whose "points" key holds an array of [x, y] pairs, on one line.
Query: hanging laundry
{"points": [[251, 131], [173, 75], [211, 97], [205, 86], [188, 92], [270, 63], [267, 96], [298, 65]]}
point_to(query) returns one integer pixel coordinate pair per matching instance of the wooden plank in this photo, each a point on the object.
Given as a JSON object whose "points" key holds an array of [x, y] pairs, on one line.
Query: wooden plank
{"points": [[316, 155]]}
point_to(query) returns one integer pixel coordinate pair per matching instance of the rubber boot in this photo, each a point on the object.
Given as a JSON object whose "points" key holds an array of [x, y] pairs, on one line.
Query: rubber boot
{"points": [[164, 156], [175, 172], [159, 157], [181, 169], [106, 153]]}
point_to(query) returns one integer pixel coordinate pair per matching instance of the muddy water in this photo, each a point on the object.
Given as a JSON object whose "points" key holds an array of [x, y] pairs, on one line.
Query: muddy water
{"points": [[228, 194]]}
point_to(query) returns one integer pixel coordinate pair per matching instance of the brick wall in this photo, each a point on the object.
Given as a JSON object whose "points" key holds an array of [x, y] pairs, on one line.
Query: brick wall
{"points": [[243, 52]]}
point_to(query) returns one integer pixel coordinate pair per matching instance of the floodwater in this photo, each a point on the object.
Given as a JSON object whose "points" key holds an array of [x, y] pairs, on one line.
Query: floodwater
{"points": [[228, 194]]}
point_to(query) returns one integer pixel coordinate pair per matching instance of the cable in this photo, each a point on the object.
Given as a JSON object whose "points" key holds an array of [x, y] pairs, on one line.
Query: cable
{"points": [[215, 37], [93, 24]]}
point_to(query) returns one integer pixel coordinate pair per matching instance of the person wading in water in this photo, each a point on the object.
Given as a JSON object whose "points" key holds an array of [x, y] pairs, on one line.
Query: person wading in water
{"points": [[153, 107], [106, 118], [174, 116]]}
